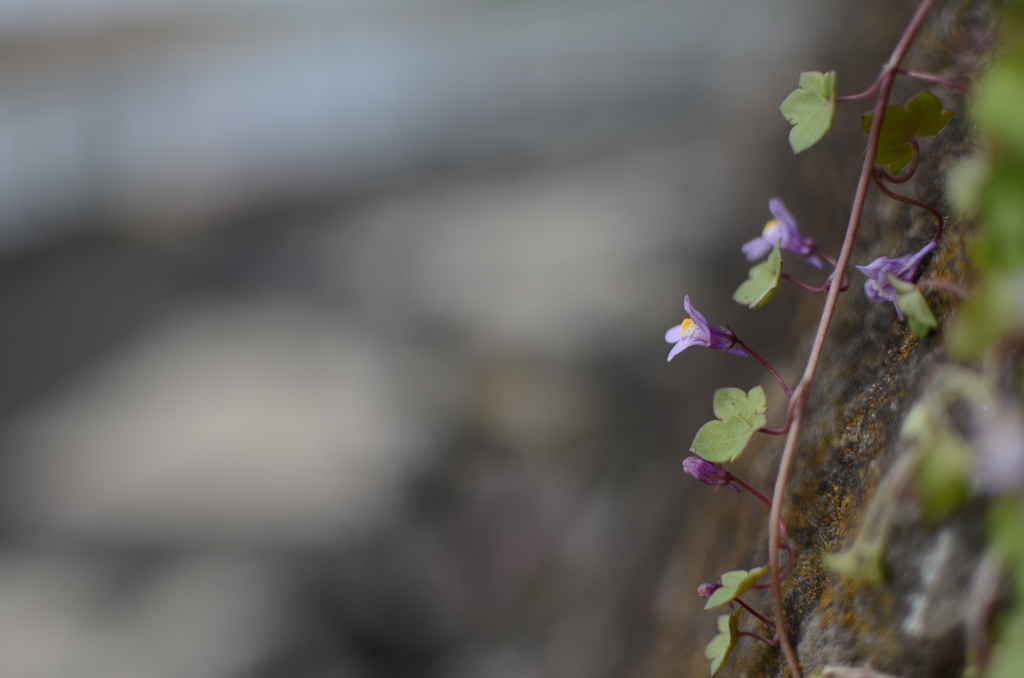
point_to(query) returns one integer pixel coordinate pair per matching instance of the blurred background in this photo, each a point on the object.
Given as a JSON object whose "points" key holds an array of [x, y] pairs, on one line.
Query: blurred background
{"points": [[331, 330]]}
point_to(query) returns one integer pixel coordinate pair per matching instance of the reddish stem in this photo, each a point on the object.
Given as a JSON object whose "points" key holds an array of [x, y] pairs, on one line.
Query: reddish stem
{"points": [[753, 354], [931, 77], [775, 432], [876, 175], [757, 614], [866, 94], [770, 642], [815, 290]]}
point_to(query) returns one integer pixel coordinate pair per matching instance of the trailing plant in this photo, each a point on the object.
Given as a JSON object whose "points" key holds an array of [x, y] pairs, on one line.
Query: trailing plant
{"points": [[892, 156]]}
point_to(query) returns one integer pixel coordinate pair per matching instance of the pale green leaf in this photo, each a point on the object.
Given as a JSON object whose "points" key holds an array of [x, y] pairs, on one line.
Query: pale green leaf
{"points": [[811, 109], [722, 441], [730, 402], [740, 415], [762, 282], [734, 585], [913, 305], [721, 645]]}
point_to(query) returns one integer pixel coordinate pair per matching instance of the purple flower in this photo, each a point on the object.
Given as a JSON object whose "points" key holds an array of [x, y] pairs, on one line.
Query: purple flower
{"points": [[783, 230], [705, 590], [708, 473], [878, 288], [695, 331]]}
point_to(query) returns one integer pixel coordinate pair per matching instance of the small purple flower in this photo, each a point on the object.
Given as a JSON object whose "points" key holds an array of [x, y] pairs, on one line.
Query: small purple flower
{"points": [[783, 230], [708, 473], [695, 331], [878, 288], [705, 590]]}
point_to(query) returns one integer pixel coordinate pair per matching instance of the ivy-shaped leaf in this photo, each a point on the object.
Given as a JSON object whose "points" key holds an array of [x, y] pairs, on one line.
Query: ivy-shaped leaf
{"points": [[734, 585], [762, 281], [721, 646], [810, 109], [913, 305], [921, 117], [739, 416]]}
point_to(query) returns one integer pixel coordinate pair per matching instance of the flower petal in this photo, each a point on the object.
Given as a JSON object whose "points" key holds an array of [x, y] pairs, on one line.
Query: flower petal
{"points": [[694, 313], [756, 248]]}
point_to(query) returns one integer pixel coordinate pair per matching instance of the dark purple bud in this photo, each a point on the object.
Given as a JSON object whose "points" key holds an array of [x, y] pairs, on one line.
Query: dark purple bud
{"points": [[705, 590], [708, 473]]}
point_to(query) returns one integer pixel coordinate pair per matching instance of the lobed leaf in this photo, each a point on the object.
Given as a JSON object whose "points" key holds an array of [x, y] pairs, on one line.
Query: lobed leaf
{"points": [[921, 117], [734, 585], [811, 109], [721, 645], [740, 415], [762, 282]]}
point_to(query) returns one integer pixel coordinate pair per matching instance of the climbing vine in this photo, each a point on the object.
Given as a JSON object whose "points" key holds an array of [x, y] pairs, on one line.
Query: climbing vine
{"points": [[893, 152]]}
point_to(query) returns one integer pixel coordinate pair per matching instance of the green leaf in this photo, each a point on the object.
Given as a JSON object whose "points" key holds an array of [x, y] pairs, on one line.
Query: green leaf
{"points": [[997, 102], [731, 402], [739, 416], [991, 313], [943, 474], [762, 281], [734, 585], [811, 109], [861, 562], [721, 646], [921, 117], [913, 305]]}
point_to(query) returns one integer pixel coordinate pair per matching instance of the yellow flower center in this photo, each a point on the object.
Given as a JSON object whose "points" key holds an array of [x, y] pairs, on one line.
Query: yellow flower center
{"points": [[770, 227], [687, 324]]}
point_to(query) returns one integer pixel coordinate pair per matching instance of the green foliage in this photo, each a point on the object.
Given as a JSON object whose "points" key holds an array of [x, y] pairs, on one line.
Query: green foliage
{"points": [[861, 562], [992, 313], [997, 102], [921, 117], [762, 282], [734, 585], [913, 305], [943, 475], [739, 416], [811, 109], [721, 645]]}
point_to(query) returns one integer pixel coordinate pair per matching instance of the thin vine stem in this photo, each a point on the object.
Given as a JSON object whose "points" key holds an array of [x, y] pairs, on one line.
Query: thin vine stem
{"points": [[917, 75], [771, 642], [931, 77], [815, 290], [760, 617], [798, 400], [880, 182], [764, 363]]}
